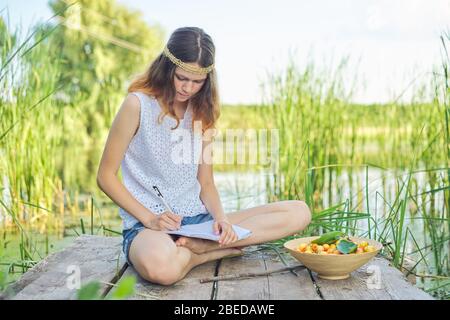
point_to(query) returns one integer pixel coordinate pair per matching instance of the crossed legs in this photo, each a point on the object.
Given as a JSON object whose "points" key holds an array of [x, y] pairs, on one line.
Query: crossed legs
{"points": [[157, 258]]}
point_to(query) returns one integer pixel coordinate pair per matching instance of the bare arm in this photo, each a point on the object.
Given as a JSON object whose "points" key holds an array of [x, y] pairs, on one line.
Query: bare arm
{"points": [[123, 129]]}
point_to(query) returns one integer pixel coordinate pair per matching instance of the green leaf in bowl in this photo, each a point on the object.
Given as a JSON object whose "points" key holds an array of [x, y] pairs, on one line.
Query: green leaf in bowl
{"points": [[329, 237], [346, 246]]}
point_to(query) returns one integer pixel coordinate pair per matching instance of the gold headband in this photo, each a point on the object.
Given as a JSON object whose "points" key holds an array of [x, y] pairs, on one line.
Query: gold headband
{"points": [[185, 66]]}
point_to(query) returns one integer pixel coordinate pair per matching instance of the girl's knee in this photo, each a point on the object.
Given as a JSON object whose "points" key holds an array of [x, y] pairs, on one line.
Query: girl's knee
{"points": [[163, 277], [161, 269], [160, 275], [301, 213]]}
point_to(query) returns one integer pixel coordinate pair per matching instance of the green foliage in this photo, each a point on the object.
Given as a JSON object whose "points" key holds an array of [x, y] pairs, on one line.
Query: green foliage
{"points": [[123, 290], [61, 87], [28, 134], [101, 46], [102, 43], [7, 41], [325, 139], [90, 291], [346, 246], [57, 103], [3, 281], [328, 238]]}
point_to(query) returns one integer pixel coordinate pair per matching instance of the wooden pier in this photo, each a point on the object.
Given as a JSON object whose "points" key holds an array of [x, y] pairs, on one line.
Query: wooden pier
{"points": [[97, 258]]}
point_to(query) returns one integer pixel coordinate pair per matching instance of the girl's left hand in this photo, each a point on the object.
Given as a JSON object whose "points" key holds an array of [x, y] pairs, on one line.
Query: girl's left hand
{"points": [[227, 234]]}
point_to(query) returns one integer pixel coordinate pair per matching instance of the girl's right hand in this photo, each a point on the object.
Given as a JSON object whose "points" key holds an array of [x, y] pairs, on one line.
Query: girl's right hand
{"points": [[165, 221]]}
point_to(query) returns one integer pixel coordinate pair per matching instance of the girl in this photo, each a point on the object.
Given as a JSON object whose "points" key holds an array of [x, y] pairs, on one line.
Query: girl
{"points": [[178, 89]]}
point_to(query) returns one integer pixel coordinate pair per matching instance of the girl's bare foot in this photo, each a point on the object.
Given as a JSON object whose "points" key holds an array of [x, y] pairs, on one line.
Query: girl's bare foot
{"points": [[197, 245], [219, 254]]}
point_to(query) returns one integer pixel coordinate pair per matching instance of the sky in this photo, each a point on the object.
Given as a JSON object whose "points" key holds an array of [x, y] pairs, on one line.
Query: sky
{"points": [[389, 43]]}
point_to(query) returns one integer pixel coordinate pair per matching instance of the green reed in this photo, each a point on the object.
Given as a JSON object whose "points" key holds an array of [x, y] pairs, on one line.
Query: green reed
{"points": [[34, 201], [322, 133], [28, 130]]}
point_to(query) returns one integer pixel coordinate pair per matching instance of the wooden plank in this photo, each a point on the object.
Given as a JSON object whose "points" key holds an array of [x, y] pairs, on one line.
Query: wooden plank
{"points": [[376, 280], [287, 286], [91, 257], [243, 289], [187, 288], [276, 286]]}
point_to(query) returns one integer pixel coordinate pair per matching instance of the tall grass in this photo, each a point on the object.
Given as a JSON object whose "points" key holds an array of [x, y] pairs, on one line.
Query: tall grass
{"points": [[35, 128], [29, 132], [323, 137]]}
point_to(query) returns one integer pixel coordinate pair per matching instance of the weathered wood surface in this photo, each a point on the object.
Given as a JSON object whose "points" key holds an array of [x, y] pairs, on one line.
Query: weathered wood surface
{"points": [[377, 280], [100, 259], [88, 258], [271, 287], [187, 288]]}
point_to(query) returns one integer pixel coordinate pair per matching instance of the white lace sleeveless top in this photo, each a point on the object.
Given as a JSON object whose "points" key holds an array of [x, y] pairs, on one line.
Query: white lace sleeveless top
{"points": [[163, 157]]}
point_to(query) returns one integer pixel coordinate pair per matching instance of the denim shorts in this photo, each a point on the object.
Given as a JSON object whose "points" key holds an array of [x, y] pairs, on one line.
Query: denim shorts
{"points": [[130, 234]]}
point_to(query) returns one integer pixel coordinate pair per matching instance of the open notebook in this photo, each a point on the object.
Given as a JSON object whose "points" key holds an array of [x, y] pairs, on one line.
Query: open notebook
{"points": [[205, 231]]}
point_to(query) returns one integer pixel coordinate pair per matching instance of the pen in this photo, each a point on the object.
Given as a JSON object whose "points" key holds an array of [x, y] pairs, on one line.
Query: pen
{"points": [[159, 194]]}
